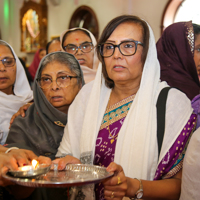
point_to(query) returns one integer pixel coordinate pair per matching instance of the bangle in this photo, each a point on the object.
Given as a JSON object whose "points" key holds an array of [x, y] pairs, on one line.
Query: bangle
{"points": [[11, 148]]}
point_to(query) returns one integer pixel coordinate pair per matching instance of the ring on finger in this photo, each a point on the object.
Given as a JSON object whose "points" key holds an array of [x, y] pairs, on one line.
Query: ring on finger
{"points": [[118, 180], [112, 195]]}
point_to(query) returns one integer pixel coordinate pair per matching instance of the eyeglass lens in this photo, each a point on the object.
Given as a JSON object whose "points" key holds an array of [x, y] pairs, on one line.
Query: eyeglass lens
{"points": [[126, 48], [85, 47], [62, 81], [8, 62]]}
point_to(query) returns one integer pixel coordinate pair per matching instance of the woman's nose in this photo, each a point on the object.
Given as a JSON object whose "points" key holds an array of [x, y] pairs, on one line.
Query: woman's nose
{"points": [[117, 53], [54, 85], [79, 52], [2, 67]]}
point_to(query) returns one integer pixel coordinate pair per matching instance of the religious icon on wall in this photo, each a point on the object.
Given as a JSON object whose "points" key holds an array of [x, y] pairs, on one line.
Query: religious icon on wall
{"points": [[31, 30], [33, 20]]}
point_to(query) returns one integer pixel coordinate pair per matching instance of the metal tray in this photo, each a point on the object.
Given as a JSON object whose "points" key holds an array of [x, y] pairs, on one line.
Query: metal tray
{"points": [[73, 175]]}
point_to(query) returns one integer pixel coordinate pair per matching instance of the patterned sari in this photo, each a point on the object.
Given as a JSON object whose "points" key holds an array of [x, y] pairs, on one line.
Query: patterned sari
{"points": [[107, 137]]}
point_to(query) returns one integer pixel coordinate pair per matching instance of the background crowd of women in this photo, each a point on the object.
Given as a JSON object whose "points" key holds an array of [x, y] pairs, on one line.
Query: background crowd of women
{"points": [[123, 78]]}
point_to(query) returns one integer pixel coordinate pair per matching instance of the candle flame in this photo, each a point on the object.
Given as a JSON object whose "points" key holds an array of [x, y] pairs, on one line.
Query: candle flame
{"points": [[35, 163]]}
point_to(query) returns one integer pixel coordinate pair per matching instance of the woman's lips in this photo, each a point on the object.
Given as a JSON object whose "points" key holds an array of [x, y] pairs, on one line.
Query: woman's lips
{"points": [[81, 61], [3, 78], [56, 98], [118, 68]]}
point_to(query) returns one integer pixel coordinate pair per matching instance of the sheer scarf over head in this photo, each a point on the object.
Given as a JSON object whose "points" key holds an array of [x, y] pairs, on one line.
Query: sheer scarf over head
{"points": [[10, 104]]}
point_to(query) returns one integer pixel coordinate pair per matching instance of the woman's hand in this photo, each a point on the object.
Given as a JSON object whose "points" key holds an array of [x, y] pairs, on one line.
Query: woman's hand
{"points": [[21, 112], [21, 157], [44, 160], [6, 162], [62, 162], [116, 186]]}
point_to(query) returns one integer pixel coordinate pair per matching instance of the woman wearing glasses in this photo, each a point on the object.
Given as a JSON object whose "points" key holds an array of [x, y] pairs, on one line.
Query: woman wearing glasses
{"points": [[81, 43], [59, 79], [114, 119], [14, 87]]}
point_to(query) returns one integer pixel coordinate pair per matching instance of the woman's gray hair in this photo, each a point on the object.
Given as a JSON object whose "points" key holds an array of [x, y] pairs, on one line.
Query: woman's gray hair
{"points": [[63, 58], [6, 45]]}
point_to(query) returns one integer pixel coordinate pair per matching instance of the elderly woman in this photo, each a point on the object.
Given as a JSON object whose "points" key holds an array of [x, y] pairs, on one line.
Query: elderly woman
{"points": [[80, 42], [58, 80], [77, 41], [121, 105], [14, 87]]}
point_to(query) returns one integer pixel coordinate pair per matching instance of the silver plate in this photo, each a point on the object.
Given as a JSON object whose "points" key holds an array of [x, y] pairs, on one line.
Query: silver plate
{"points": [[73, 175]]}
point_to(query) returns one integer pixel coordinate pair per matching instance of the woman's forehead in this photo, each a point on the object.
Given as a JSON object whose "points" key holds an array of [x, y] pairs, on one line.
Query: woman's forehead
{"points": [[5, 51], [77, 37], [127, 30], [56, 67]]}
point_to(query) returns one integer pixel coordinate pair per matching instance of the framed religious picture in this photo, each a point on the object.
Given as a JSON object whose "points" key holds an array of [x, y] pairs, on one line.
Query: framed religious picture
{"points": [[33, 21]]}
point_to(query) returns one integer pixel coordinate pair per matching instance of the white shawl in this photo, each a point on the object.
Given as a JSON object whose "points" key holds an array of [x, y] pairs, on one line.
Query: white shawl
{"points": [[10, 104], [136, 148], [88, 73]]}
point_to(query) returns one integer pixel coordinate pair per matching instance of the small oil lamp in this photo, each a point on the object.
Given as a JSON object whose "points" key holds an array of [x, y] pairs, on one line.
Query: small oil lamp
{"points": [[32, 170], [33, 166]]}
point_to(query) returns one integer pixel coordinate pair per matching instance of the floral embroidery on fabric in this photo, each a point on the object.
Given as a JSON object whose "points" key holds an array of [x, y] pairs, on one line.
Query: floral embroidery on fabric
{"points": [[117, 112], [190, 35]]}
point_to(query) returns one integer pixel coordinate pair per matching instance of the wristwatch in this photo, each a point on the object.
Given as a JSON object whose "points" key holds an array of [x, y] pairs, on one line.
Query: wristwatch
{"points": [[139, 193]]}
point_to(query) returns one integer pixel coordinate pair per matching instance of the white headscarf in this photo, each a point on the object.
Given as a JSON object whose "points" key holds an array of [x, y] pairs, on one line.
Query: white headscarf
{"points": [[10, 104], [136, 148], [88, 73]]}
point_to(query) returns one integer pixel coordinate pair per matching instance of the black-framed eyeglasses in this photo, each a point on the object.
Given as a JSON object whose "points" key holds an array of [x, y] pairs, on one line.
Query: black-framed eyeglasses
{"points": [[8, 62], [86, 47], [63, 81], [126, 48]]}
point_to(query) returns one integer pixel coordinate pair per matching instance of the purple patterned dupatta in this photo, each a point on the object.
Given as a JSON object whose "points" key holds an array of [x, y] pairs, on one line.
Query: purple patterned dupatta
{"points": [[107, 137], [173, 160], [106, 141]]}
